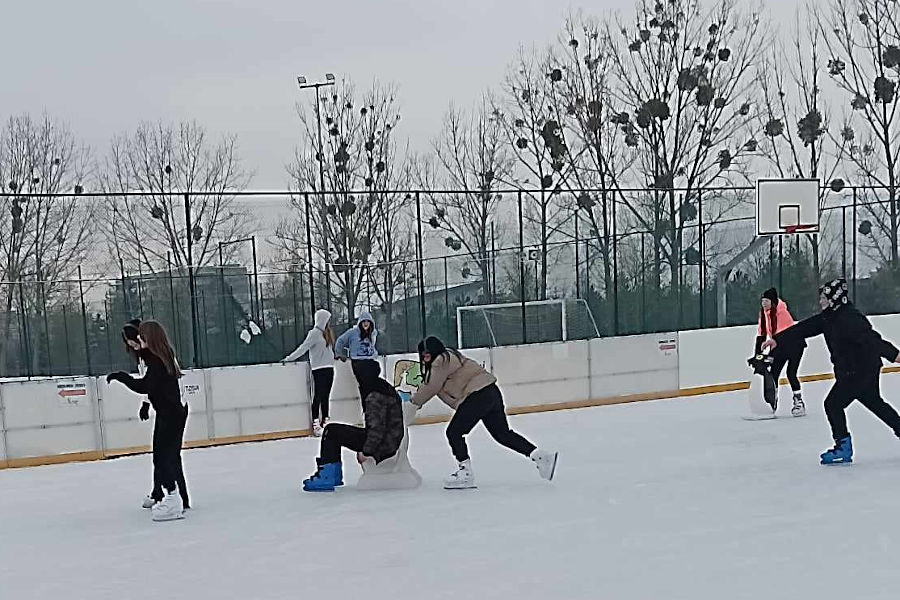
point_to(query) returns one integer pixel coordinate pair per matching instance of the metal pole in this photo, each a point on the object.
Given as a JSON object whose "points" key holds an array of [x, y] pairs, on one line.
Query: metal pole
{"points": [[493, 266], [259, 312], [780, 262], [854, 244], [309, 251], [84, 325], [23, 320], [702, 245], [140, 293], [615, 267], [109, 359], [294, 305], [191, 285], [172, 297], [128, 314], [522, 269], [577, 260], [643, 286], [421, 264], [843, 242], [446, 298]]}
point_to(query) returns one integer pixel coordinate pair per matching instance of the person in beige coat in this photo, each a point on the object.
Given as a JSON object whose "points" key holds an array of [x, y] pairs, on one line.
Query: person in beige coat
{"points": [[473, 394]]}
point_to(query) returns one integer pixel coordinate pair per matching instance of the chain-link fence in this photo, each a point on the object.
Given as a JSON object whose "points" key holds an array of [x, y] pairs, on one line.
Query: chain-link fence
{"points": [[241, 289]]}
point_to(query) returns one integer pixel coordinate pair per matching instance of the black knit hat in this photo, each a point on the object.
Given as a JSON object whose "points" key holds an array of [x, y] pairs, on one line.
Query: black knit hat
{"points": [[772, 295], [130, 330], [836, 293]]}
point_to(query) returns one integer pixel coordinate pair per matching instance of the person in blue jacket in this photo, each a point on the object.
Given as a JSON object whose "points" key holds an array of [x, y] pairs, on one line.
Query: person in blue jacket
{"points": [[358, 344]]}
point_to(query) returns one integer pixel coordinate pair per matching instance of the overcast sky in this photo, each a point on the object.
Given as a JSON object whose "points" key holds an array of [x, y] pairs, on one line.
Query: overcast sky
{"points": [[104, 65]]}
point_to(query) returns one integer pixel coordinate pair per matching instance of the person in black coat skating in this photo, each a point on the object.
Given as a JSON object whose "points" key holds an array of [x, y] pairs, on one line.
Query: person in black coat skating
{"points": [[162, 387], [856, 353]]}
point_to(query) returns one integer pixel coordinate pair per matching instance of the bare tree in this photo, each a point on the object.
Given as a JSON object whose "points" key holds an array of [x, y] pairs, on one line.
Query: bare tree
{"points": [[527, 114], [687, 79], [354, 218], [798, 140], [863, 39], [598, 159], [159, 163], [44, 237], [470, 161]]}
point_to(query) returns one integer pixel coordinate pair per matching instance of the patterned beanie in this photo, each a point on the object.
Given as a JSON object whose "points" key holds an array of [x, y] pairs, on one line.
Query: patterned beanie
{"points": [[836, 292]]}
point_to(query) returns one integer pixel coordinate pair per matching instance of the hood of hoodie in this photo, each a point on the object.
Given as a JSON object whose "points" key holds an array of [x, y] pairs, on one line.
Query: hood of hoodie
{"points": [[321, 318], [365, 316]]}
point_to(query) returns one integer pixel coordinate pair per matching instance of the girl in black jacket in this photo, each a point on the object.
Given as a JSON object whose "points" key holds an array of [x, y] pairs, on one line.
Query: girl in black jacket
{"points": [[161, 385], [379, 439], [856, 353]]}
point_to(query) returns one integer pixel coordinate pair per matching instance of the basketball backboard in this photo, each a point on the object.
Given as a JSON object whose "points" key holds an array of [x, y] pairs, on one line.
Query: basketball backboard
{"points": [[787, 206]]}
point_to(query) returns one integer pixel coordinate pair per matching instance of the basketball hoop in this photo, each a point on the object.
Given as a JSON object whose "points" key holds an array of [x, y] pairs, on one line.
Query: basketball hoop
{"points": [[792, 229]]}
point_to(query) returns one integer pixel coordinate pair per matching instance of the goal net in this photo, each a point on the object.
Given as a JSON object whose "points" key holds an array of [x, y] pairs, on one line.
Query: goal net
{"points": [[545, 321]]}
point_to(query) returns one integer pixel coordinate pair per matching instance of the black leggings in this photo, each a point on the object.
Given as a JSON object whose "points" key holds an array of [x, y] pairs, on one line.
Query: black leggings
{"points": [[793, 363], [337, 436], [862, 387], [485, 405], [168, 436], [322, 382], [365, 370]]}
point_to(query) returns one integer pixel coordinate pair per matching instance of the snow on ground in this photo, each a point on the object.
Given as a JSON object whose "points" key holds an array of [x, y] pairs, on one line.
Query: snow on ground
{"points": [[660, 500]]}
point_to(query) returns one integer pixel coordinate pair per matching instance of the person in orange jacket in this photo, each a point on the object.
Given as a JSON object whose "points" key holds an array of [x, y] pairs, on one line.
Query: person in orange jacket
{"points": [[774, 318]]}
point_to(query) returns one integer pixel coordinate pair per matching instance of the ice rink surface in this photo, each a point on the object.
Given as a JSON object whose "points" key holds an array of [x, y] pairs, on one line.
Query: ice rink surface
{"points": [[658, 500]]}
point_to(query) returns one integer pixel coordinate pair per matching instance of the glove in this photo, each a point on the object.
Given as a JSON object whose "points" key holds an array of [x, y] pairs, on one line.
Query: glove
{"points": [[112, 377], [144, 413]]}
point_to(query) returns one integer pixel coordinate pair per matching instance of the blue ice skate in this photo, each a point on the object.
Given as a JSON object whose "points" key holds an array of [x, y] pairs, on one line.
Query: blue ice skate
{"points": [[841, 453], [325, 479]]}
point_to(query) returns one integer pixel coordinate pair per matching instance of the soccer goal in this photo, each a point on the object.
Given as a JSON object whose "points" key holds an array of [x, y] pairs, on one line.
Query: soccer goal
{"points": [[488, 325]]}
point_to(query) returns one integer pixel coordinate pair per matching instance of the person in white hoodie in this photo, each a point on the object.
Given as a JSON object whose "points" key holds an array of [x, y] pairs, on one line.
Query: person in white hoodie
{"points": [[319, 344]]}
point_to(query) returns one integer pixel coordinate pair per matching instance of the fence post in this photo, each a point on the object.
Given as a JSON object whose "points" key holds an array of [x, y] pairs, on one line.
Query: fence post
{"points": [[522, 269], [24, 344], [643, 286], [780, 262], [844, 242], [191, 284], [84, 324], [577, 258], [702, 243], [854, 244], [615, 229], [421, 264], [493, 266], [309, 257], [446, 298]]}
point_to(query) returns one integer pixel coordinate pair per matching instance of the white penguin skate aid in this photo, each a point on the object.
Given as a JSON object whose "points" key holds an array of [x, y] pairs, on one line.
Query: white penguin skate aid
{"points": [[762, 396], [396, 472]]}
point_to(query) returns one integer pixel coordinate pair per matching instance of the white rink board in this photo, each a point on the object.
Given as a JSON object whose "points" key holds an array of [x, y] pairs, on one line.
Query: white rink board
{"points": [[639, 364], [542, 373], [50, 417], [259, 399]]}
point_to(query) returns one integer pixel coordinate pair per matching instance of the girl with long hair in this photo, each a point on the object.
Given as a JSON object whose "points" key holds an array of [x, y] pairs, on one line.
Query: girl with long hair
{"points": [[161, 385], [358, 343], [472, 392], [773, 319], [319, 344]]}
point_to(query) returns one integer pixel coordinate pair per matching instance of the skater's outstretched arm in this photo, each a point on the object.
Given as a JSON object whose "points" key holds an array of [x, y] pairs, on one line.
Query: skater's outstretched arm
{"points": [[798, 332], [435, 383], [302, 348], [342, 344], [136, 385]]}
